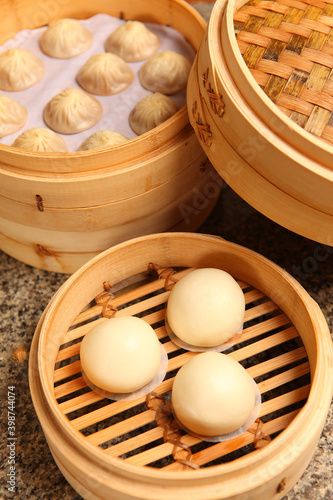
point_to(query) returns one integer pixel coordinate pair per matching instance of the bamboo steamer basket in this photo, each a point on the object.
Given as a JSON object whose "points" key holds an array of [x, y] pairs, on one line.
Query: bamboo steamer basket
{"points": [[52, 204], [67, 247], [260, 100], [130, 449]]}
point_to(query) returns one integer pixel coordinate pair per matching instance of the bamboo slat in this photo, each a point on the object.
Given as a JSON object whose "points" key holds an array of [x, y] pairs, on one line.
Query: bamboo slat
{"points": [[214, 452], [165, 449]]}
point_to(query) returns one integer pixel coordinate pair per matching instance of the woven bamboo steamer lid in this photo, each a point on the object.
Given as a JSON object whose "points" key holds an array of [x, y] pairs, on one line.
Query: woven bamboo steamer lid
{"points": [[98, 190], [131, 465], [270, 150], [287, 48]]}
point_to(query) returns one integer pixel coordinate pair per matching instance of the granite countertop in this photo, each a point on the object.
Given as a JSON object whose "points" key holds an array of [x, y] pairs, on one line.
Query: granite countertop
{"points": [[26, 291]]}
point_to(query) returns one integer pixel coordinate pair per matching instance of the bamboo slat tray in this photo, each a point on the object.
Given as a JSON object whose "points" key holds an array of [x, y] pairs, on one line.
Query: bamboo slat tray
{"points": [[104, 196], [254, 135], [132, 449]]}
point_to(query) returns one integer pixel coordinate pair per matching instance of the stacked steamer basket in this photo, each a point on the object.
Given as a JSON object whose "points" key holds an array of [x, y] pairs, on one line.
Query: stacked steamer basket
{"points": [[260, 99], [57, 210], [131, 449]]}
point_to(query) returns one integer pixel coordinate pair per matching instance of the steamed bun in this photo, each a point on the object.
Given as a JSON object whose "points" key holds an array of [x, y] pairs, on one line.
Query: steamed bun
{"points": [[213, 394], [121, 354], [206, 307]]}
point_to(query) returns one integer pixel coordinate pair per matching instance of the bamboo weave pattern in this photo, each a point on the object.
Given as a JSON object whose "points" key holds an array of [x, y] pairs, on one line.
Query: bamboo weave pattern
{"points": [[288, 47]]}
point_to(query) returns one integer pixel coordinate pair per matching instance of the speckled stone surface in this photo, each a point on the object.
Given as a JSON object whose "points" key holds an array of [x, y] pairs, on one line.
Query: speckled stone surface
{"points": [[26, 291]]}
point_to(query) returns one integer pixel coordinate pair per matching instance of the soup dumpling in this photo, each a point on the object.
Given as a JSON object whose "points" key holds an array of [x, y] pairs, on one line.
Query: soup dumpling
{"points": [[166, 72], [72, 111], [40, 139], [105, 74], [65, 38], [19, 69], [13, 115], [102, 139], [150, 112], [133, 41]]}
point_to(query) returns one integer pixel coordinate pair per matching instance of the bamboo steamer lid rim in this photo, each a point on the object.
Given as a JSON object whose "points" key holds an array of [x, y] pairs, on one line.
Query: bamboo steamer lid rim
{"points": [[321, 372], [222, 22]]}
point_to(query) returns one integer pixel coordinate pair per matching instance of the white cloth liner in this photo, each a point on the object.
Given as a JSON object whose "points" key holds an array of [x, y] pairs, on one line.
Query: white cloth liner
{"points": [[61, 73]]}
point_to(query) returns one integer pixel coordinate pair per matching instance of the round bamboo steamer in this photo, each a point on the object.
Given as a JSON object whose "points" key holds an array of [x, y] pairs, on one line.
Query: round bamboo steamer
{"points": [[130, 449], [244, 124], [47, 199]]}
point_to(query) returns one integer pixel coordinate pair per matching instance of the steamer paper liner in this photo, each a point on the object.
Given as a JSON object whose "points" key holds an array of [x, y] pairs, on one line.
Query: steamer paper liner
{"points": [[61, 73], [195, 348], [143, 391], [231, 435]]}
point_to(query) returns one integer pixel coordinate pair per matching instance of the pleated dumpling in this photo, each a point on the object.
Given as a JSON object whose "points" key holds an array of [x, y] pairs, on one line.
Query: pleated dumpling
{"points": [[166, 72], [150, 112], [40, 139], [72, 111], [133, 41], [19, 69], [65, 38], [102, 139], [13, 115], [105, 74]]}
